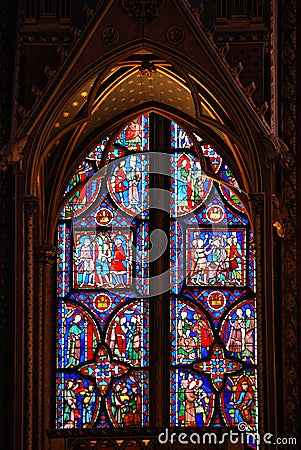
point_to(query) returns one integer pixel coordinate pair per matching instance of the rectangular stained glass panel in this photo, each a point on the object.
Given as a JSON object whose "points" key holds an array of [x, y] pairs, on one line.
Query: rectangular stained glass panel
{"points": [[216, 257], [102, 259]]}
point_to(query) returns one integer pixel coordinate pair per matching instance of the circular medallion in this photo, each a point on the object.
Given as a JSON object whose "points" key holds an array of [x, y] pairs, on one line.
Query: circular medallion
{"points": [[104, 217], [176, 35], [215, 213], [102, 302], [110, 35], [191, 186], [128, 184], [216, 300]]}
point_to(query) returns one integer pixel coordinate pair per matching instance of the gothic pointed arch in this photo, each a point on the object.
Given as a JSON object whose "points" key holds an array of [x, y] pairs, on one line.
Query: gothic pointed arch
{"points": [[107, 276]]}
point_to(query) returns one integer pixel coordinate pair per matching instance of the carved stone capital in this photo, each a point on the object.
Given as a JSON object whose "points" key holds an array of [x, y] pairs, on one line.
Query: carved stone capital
{"points": [[276, 151], [31, 203], [11, 154], [278, 215], [45, 254], [257, 202]]}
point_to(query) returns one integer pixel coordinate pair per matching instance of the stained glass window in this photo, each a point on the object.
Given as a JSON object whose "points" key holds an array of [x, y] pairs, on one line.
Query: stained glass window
{"points": [[105, 251], [213, 310]]}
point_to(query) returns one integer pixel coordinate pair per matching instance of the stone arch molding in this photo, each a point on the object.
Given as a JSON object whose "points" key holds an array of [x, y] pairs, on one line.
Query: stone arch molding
{"points": [[195, 60], [212, 109]]}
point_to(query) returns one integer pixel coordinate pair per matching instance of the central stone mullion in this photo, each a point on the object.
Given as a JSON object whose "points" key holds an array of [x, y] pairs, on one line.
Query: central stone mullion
{"points": [[159, 266]]}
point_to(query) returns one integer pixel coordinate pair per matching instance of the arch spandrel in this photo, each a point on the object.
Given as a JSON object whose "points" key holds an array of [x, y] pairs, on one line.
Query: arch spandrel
{"points": [[86, 131], [91, 55]]}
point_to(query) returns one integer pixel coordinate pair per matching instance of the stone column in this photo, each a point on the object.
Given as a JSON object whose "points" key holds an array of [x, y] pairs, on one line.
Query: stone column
{"points": [[159, 219], [30, 205], [267, 363], [6, 229], [45, 257], [257, 201], [289, 415]]}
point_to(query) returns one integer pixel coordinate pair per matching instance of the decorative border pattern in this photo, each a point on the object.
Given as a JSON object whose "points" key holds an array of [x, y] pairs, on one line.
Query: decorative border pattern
{"points": [[143, 11]]}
